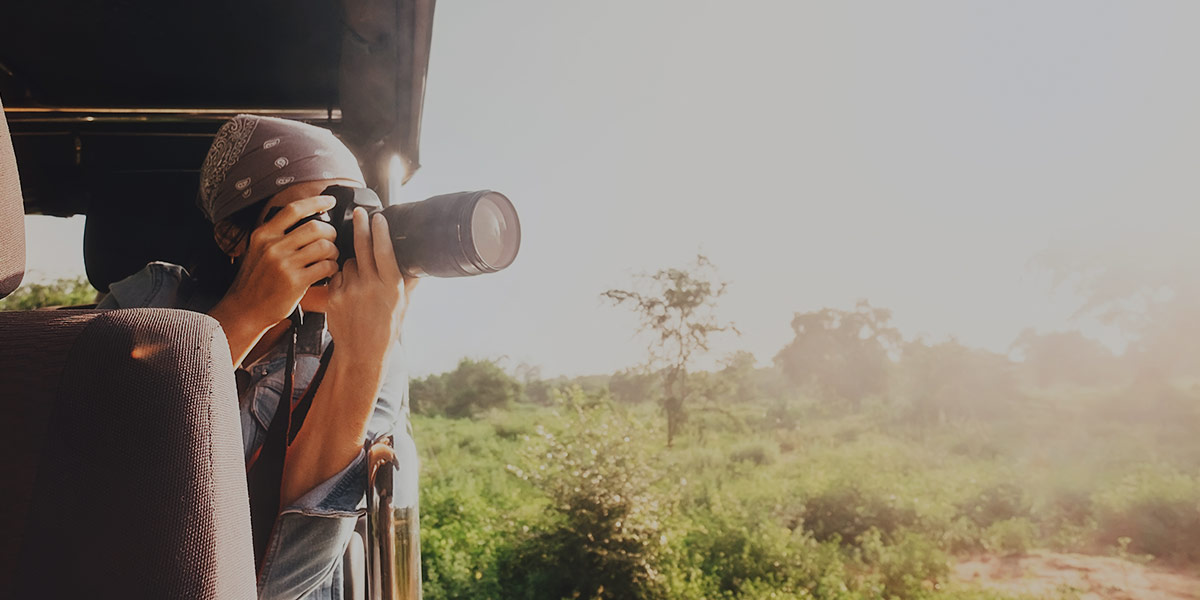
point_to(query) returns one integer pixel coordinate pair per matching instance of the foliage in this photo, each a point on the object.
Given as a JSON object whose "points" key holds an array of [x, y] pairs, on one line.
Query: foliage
{"points": [[679, 310], [758, 452], [840, 506], [470, 388], [848, 511], [630, 386], [999, 502], [62, 292], [949, 381], [1158, 509], [791, 488], [844, 353], [737, 554], [458, 543], [739, 376], [605, 538], [1009, 537], [908, 568]]}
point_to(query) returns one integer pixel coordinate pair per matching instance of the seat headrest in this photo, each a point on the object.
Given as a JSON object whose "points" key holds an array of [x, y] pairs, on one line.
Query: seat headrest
{"points": [[12, 215], [135, 218]]}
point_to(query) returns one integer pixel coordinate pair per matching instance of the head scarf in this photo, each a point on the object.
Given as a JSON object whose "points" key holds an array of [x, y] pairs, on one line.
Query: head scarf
{"points": [[253, 158]]}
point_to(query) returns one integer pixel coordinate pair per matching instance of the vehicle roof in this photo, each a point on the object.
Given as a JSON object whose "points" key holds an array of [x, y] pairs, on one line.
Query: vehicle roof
{"points": [[112, 104], [149, 53]]}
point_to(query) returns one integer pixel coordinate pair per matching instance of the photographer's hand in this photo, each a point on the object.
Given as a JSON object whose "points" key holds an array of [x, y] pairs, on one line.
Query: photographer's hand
{"points": [[368, 298], [276, 270], [367, 303]]}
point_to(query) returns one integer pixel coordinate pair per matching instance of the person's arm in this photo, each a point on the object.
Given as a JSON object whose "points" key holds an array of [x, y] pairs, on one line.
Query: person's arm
{"points": [[367, 302], [311, 533]]}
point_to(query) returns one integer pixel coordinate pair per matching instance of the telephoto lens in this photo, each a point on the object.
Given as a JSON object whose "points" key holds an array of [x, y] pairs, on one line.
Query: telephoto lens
{"points": [[452, 235]]}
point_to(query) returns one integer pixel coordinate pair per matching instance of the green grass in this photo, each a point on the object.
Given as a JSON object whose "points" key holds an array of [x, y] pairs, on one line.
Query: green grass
{"points": [[583, 498]]}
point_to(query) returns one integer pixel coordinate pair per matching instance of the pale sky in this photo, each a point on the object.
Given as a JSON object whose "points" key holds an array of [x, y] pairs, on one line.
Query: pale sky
{"points": [[916, 154]]}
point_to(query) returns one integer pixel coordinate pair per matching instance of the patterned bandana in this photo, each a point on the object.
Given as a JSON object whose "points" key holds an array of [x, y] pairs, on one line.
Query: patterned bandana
{"points": [[253, 158]]}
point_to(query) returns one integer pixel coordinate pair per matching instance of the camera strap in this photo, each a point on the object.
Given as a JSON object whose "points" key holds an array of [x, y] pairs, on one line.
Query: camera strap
{"points": [[264, 471]]}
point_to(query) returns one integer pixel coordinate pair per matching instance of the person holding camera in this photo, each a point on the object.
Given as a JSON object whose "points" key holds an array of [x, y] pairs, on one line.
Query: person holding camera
{"points": [[278, 293]]}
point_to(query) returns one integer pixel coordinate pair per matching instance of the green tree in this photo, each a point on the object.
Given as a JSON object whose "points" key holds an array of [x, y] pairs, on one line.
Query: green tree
{"points": [[473, 386], [739, 376], [845, 353], [62, 292], [677, 307]]}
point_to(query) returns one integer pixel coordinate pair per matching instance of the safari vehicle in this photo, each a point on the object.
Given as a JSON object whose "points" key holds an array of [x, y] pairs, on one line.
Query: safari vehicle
{"points": [[121, 449]]}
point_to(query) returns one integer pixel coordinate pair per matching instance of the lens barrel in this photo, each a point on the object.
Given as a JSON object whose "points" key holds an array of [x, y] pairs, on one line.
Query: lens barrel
{"points": [[455, 235], [452, 235]]}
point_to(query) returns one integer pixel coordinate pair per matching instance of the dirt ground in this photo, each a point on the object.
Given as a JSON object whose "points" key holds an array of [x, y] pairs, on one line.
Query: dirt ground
{"points": [[1051, 575]]}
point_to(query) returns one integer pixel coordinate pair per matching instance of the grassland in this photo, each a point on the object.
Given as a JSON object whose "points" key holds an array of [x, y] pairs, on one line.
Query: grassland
{"points": [[581, 498]]}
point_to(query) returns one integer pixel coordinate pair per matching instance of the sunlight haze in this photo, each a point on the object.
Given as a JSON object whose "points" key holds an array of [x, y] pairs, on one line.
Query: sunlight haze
{"points": [[920, 155]]}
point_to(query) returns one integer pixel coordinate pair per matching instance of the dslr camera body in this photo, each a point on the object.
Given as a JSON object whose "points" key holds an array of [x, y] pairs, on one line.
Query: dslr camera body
{"points": [[452, 235]]}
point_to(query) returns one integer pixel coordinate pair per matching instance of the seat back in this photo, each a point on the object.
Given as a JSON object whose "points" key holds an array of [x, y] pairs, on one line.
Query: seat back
{"points": [[120, 447], [12, 216]]}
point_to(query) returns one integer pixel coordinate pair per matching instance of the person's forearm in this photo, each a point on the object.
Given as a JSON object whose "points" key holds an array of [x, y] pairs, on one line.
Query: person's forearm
{"points": [[333, 430], [242, 332]]}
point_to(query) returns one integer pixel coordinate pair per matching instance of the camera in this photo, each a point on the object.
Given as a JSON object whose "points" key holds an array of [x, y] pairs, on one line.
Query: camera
{"points": [[452, 235]]}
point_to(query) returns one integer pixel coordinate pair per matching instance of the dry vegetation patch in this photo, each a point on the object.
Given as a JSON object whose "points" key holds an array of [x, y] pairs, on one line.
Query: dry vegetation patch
{"points": [[1054, 575]]}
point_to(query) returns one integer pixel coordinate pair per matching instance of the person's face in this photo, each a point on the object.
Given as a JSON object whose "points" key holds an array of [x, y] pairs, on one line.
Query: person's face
{"points": [[316, 299]]}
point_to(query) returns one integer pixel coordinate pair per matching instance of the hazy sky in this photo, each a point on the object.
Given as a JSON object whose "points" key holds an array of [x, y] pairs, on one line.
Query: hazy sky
{"points": [[916, 154]]}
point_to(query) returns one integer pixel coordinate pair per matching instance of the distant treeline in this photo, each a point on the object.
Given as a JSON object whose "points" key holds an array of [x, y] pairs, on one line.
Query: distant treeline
{"points": [[843, 358]]}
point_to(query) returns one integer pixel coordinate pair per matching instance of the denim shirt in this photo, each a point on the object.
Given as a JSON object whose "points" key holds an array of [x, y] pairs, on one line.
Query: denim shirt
{"points": [[304, 556]]}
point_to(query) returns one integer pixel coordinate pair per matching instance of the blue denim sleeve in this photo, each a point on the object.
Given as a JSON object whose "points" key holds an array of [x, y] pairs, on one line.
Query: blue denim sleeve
{"points": [[157, 285], [339, 495], [310, 537]]}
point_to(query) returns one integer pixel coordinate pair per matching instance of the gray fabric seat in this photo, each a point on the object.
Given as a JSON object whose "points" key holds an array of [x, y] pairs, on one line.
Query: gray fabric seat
{"points": [[120, 447]]}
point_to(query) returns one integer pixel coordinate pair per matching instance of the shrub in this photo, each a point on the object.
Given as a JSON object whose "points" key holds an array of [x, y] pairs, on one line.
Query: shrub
{"points": [[962, 536], [61, 292], [1157, 509], [603, 537], [1068, 520], [908, 568], [1010, 536], [847, 511], [999, 502], [461, 536], [735, 553]]}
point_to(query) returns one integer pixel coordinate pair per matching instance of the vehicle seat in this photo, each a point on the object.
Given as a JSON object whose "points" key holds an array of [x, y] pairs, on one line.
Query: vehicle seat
{"points": [[120, 447]]}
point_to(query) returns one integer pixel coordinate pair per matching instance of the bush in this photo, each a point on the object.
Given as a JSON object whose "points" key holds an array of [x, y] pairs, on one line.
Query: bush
{"points": [[62, 292], [735, 553], [999, 502], [461, 536], [908, 568], [603, 537], [962, 536], [1009, 537], [847, 512], [1157, 509]]}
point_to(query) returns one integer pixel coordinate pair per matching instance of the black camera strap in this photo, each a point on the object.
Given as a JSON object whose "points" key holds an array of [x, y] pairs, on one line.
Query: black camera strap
{"points": [[264, 471]]}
